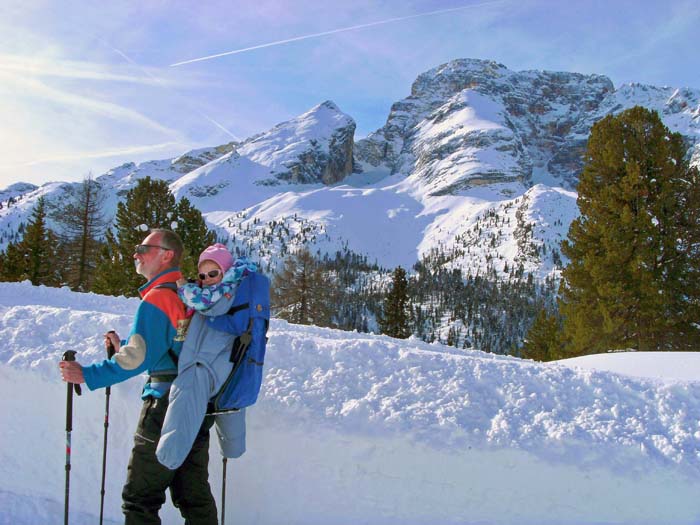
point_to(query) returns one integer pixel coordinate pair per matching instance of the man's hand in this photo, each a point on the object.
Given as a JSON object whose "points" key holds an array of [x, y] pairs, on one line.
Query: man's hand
{"points": [[71, 371], [113, 338]]}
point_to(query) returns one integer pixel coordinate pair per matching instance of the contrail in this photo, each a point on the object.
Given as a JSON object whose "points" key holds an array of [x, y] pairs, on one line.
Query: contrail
{"points": [[164, 86], [334, 31]]}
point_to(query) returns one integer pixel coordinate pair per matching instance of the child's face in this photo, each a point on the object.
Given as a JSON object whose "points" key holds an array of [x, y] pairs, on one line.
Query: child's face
{"points": [[207, 267]]}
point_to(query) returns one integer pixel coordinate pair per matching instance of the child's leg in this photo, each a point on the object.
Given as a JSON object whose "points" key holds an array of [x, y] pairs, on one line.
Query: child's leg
{"points": [[189, 396]]}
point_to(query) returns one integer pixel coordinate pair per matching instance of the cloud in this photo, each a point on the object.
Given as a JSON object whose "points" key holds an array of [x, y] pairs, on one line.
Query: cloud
{"points": [[88, 155], [31, 87], [38, 67]]}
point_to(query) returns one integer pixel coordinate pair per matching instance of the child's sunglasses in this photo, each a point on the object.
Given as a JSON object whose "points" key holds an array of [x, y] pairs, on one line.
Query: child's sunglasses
{"points": [[211, 273]]}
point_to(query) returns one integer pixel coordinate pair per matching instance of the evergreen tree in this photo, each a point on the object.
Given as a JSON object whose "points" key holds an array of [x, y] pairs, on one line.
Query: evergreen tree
{"points": [[82, 223], [37, 256], [194, 234], [12, 263], [394, 319], [634, 276], [148, 205], [302, 292], [543, 340], [111, 268]]}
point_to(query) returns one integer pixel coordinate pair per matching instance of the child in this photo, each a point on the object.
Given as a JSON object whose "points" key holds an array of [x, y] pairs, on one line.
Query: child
{"points": [[204, 363], [218, 274]]}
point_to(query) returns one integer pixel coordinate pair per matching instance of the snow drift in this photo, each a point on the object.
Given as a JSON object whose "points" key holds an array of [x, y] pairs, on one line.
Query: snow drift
{"points": [[357, 428]]}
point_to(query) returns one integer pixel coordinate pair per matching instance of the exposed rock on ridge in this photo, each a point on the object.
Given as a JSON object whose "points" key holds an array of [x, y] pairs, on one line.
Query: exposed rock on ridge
{"points": [[316, 147], [473, 122]]}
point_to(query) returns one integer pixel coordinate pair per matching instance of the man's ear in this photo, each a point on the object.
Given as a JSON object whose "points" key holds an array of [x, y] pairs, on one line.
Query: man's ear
{"points": [[168, 256]]}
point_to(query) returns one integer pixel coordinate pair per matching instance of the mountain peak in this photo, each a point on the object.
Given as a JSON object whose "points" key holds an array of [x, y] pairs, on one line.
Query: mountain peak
{"points": [[326, 104], [457, 75], [326, 114], [19, 187]]}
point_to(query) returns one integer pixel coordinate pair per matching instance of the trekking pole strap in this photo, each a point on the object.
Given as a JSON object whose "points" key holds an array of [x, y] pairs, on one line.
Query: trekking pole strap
{"points": [[162, 378]]}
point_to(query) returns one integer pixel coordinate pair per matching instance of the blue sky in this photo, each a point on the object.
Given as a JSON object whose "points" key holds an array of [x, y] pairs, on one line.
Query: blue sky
{"points": [[86, 86]]}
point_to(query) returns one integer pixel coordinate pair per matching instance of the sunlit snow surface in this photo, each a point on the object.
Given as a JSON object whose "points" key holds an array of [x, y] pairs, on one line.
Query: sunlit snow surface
{"points": [[357, 428]]}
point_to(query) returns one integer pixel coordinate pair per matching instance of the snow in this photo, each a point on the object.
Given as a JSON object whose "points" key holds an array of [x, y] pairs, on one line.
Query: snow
{"points": [[665, 366], [357, 428]]}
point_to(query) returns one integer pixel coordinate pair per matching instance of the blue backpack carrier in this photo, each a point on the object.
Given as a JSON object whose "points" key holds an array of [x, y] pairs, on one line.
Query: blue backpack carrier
{"points": [[249, 318]]}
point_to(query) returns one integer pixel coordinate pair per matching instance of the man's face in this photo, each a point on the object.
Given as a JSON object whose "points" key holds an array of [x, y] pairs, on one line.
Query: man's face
{"points": [[152, 262]]}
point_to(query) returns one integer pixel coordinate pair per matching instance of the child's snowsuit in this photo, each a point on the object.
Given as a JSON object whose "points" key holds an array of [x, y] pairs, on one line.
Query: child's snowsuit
{"points": [[203, 367]]}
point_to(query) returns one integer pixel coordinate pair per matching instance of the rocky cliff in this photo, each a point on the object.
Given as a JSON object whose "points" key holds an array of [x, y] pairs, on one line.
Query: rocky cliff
{"points": [[474, 122]]}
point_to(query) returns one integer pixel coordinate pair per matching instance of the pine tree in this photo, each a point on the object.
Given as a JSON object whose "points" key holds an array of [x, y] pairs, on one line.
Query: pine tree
{"points": [[543, 340], [36, 257], [394, 319], [634, 276], [12, 264], [82, 223], [194, 234], [148, 205], [303, 293], [111, 268]]}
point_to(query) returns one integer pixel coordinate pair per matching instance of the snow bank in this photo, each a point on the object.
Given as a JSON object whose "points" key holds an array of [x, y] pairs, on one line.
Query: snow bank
{"points": [[355, 428], [660, 366]]}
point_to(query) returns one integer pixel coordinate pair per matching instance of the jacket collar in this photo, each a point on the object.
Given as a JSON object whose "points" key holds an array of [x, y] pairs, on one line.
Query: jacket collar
{"points": [[170, 275]]}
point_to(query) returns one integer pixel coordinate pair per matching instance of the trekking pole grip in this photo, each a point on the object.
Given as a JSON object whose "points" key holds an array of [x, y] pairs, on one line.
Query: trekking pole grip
{"points": [[69, 355], [110, 347], [110, 352]]}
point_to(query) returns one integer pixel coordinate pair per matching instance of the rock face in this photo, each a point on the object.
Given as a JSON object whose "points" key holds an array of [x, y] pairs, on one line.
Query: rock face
{"points": [[316, 147], [475, 122], [198, 158]]}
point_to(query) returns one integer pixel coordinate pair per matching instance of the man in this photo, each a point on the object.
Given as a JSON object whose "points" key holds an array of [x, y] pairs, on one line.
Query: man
{"points": [[153, 345]]}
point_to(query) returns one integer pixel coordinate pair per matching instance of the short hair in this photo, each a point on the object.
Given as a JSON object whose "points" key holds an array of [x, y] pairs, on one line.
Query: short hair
{"points": [[171, 241]]}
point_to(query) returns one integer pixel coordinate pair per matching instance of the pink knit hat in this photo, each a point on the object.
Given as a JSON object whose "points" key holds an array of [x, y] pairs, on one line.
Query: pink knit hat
{"points": [[219, 254]]}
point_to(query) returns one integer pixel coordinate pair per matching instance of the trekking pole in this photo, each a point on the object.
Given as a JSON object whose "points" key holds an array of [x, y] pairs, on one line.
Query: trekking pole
{"points": [[69, 355], [108, 392], [223, 495]]}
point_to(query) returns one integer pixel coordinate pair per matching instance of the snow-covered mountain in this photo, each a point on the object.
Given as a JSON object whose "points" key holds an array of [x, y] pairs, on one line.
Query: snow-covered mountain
{"points": [[479, 161], [474, 122], [358, 428]]}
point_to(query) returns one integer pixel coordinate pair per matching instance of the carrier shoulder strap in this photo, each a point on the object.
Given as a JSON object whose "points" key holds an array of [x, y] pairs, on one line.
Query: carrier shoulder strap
{"points": [[172, 287], [238, 308]]}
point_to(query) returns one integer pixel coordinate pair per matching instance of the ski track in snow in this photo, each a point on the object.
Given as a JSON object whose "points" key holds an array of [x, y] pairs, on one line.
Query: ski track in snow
{"points": [[361, 428]]}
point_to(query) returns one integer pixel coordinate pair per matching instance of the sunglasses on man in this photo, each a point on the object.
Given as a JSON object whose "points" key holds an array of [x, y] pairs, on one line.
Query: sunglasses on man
{"points": [[144, 248], [210, 273]]}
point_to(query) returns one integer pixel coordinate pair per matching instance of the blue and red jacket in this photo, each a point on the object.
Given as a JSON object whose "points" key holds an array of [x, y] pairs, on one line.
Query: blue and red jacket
{"points": [[160, 325]]}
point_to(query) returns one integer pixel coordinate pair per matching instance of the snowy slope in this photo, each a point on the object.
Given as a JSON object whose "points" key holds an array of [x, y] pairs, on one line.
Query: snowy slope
{"points": [[315, 147], [664, 366], [116, 183], [355, 428]]}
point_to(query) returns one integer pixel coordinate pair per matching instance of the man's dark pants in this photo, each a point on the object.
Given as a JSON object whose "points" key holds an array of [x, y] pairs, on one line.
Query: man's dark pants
{"points": [[147, 479]]}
